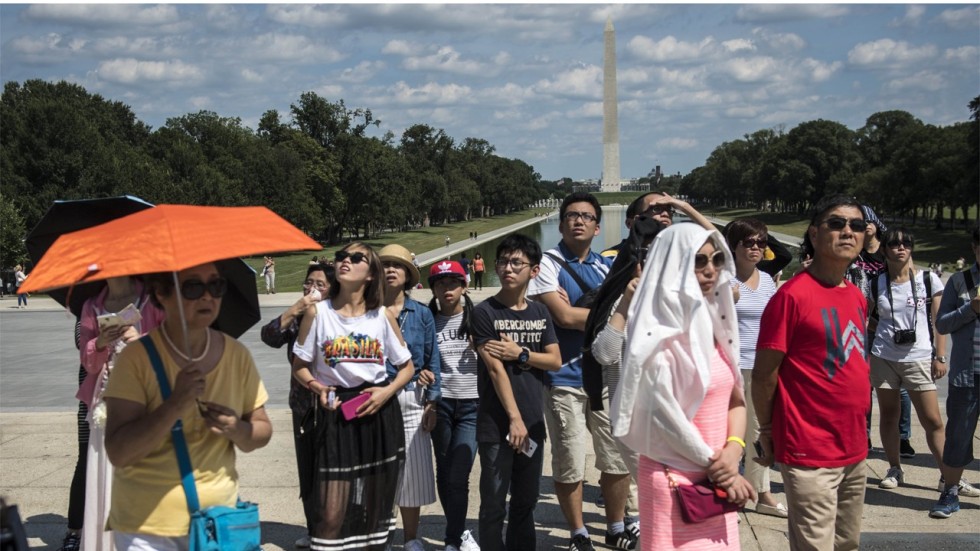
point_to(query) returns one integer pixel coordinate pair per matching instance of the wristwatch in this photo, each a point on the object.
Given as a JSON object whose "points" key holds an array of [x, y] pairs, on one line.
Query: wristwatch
{"points": [[942, 359], [524, 356]]}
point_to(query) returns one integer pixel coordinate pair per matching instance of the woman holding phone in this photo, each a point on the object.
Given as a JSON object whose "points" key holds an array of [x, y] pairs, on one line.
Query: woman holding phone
{"points": [[340, 354]]}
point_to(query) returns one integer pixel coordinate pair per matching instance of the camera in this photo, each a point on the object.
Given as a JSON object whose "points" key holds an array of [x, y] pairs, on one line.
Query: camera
{"points": [[905, 336]]}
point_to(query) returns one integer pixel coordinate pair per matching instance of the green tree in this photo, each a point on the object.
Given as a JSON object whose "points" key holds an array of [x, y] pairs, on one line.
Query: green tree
{"points": [[12, 233]]}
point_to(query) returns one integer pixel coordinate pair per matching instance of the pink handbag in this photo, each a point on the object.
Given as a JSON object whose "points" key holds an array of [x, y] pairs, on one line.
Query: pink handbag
{"points": [[699, 501]]}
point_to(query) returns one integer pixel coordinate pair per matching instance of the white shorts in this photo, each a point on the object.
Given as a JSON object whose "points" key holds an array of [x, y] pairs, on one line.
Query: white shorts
{"points": [[418, 478]]}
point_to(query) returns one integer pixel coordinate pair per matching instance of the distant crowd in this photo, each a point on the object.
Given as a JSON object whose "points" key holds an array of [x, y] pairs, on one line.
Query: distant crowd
{"points": [[679, 359]]}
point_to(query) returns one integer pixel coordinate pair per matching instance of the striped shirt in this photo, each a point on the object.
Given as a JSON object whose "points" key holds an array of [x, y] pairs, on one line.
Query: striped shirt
{"points": [[751, 303], [458, 359]]}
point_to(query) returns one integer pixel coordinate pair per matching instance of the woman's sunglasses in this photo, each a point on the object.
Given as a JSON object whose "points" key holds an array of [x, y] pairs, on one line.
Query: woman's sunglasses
{"points": [[355, 258], [193, 289], [749, 243], [717, 260], [907, 243]]}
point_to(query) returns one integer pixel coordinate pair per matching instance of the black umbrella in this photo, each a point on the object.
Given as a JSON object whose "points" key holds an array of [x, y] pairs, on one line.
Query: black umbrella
{"points": [[73, 215], [240, 305]]}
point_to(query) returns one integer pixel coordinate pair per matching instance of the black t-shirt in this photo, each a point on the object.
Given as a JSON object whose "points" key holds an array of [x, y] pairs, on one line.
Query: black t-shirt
{"points": [[465, 263], [531, 327]]}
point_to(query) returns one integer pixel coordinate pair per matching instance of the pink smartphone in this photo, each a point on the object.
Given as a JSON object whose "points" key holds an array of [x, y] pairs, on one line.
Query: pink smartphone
{"points": [[349, 407]]}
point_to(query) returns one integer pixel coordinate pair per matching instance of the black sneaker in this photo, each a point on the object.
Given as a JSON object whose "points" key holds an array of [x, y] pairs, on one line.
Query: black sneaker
{"points": [[580, 543], [906, 449], [632, 526], [621, 540], [72, 542]]}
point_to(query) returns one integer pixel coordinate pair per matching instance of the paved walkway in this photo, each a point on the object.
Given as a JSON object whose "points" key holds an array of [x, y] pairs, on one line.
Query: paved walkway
{"points": [[453, 249]]}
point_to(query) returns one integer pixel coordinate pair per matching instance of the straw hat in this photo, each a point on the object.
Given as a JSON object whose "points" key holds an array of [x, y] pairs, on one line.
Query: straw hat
{"points": [[401, 255]]}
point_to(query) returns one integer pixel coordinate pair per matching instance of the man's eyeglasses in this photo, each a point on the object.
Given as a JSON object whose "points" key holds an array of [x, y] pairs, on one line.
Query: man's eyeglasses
{"points": [[572, 216], [749, 243], [907, 243], [193, 289], [836, 223], [717, 260], [318, 284], [659, 209], [515, 263], [355, 258]]}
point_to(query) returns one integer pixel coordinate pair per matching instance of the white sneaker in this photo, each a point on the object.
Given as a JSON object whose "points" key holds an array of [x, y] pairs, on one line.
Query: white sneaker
{"points": [[966, 489], [893, 478], [468, 542], [303, 542], [414, 545]]}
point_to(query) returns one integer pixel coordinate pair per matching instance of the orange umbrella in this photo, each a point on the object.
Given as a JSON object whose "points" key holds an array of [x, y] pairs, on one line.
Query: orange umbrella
{"points": [[168, 238]]}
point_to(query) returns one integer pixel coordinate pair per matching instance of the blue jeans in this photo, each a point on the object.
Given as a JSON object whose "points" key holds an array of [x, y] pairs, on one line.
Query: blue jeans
{"points": [[454, 441], [962, 412], [904, 421], [503, 469]]}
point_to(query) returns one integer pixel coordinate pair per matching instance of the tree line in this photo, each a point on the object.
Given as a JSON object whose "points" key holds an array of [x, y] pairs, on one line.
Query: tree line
{"points": [[315, 166], [895, 162]]}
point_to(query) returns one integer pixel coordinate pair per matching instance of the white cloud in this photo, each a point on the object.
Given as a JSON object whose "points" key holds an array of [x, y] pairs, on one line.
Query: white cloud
{"points": [[429, 93], [773, 13], [752, 69], [200, 102], [362, 72], [579, 82], [742, 112], [820, 71], [780, 42], [738, 44], [889, 53], [402, 47], [668, 48], [508, 94], [307, 15], [132, 71], [961, 19], [964, 54], [289, 47], [446, 59], [104, 14], [676, 144], [248, 75], [913, 16], [922, 80]]}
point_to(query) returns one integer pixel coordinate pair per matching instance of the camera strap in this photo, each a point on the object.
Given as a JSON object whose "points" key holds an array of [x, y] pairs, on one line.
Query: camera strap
{"points": [[915, 299]]}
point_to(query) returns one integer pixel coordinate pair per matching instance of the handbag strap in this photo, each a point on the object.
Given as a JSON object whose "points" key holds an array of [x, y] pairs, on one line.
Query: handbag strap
{"points": [[176, 432], [578, 279]]}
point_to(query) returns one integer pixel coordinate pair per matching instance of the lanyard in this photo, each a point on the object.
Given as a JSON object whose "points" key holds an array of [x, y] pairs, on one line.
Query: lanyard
{"points": [[915, 299]]}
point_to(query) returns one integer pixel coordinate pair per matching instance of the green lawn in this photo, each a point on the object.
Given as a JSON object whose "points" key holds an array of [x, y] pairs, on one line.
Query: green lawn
{"points": [[291, 267]]}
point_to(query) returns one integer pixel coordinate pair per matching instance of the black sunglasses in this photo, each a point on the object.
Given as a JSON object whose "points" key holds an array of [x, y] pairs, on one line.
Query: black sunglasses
{"points": [[717, 260], [355, 258], [907, 243], [836, 223], [749, 243], [659, 209], [193, 289]]}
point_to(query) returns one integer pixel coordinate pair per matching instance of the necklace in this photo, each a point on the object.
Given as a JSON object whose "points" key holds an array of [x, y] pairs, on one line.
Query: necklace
{"points": [[207, 346]]}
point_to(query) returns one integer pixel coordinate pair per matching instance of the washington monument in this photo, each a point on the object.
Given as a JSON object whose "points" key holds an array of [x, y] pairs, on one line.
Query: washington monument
{"points": [[610, 113]]}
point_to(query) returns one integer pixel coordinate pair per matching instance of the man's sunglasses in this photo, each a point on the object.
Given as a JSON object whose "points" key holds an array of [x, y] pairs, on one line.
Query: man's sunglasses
{"points": [[836, 223], [659, 209], [355, 258], [717, 260], [193, 289]]}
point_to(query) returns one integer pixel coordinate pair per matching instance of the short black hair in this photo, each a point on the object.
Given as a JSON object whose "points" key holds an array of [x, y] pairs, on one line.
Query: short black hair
{"points": [[521, 243], [581, 197], [830, 202], [899, 234], [742, 228], [634, 207], [976, 235]]}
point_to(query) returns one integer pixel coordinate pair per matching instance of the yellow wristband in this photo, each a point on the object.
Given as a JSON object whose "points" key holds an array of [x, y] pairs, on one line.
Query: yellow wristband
{"points": [[737, 440]]}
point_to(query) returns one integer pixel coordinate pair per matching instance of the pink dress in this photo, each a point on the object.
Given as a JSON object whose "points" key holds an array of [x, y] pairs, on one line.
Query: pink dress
{"points": [[661, 524]]}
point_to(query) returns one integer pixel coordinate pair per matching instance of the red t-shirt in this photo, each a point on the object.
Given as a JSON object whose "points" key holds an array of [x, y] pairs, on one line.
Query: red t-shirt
{"points": [[823, 391]]}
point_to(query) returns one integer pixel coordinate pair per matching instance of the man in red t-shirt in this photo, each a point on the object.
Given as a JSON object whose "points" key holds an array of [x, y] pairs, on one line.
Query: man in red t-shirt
{"points": [[811, 384]]}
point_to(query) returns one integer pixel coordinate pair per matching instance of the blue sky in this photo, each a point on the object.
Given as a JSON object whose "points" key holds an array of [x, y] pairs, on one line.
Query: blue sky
{"points": [[527, 78]]}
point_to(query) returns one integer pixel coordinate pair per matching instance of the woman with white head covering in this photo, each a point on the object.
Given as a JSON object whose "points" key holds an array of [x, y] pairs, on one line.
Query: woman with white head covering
{"points": [[681, 404]]}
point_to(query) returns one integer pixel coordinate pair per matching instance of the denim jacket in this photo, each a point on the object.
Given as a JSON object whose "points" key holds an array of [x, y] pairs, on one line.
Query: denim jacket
{"points": [[419, 331], [958, 319]]}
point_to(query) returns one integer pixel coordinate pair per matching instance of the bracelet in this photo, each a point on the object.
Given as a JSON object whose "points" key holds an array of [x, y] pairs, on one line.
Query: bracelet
{"points": [[737, 440]]}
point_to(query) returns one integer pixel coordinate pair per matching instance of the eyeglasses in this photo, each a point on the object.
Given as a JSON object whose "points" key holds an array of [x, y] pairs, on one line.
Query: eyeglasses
{"points": [[749, 243], [659, 209], [515, 263], [836, 223], [355, 258], [717, 260], [587, 217], [317, 284], [907, 243], [193, 289]]}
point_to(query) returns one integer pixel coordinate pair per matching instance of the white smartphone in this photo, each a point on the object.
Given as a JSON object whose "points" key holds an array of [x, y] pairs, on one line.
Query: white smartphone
{"points": [[530, 446], [315, 295]]}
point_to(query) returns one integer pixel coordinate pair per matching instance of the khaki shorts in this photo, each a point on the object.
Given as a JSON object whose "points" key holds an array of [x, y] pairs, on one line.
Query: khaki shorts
{"points": [[915, 375], [569, 417]]}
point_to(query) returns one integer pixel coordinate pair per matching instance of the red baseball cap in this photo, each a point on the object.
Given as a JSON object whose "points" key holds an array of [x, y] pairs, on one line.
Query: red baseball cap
{"points": [[445, 268]]}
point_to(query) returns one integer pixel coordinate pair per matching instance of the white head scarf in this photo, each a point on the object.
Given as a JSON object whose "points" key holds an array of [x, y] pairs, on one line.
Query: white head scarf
{"points": [[671, 336]]}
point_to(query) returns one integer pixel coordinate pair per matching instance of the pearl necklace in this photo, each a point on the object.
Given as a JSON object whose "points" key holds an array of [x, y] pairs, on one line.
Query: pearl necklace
{"points": [[207, 346]]}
